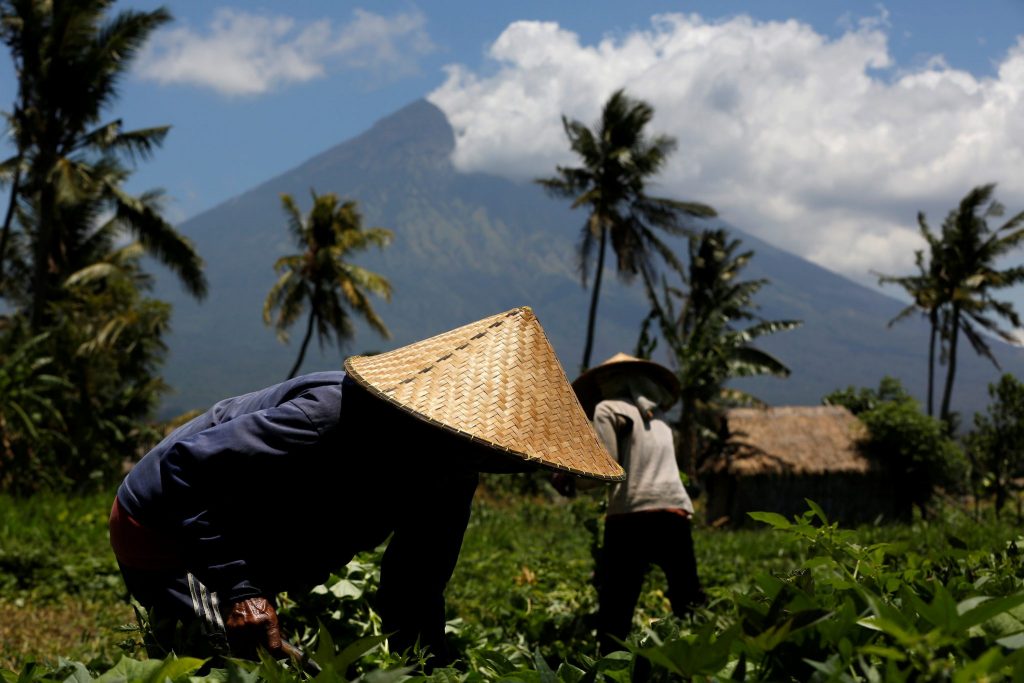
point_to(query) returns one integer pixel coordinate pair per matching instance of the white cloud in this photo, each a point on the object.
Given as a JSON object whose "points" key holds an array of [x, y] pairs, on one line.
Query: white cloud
{"points": [[820, 145], [250, 54]]}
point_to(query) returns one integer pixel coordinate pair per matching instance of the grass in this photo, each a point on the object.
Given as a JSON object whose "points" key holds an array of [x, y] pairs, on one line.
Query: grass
{"points": [[524, 575]]}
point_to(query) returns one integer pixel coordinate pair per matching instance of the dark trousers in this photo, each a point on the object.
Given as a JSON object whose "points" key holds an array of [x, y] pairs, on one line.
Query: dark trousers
{"points": [[632, 543]]}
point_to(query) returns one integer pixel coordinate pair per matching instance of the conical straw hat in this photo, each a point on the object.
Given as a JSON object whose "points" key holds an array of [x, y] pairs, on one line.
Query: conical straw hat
{"points": [[497, 382], [588, 385]]}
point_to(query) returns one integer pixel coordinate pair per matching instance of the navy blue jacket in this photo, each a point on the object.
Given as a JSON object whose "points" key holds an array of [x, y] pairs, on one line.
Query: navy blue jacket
{"points": [[272, 490]]}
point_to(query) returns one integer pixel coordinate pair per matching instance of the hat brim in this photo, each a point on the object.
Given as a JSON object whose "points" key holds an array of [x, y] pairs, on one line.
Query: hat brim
{"points": [[497, 383]]}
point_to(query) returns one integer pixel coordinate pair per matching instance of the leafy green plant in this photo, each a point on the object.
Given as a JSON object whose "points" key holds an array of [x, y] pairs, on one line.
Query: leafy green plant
{"points": [[802, 599], [996, 444], [912, 445], [29, 418], [710, 328]]}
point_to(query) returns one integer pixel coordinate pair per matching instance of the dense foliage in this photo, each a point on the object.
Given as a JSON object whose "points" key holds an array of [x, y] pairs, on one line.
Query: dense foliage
{"points": [[82, 390], [914, 447], [996, 443], [710, 325], [937, 600], [74, 296]]}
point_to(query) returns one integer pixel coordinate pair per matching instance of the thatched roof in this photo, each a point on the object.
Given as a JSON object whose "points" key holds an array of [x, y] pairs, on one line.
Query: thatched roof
{"points": [[792, 440]]}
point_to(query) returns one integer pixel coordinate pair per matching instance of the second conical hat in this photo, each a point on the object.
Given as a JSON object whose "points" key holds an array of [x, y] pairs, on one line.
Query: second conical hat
{"points": [[588, 385], [497, 382]]}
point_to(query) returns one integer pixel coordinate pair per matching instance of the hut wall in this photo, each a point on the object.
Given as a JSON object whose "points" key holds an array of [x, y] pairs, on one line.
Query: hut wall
{"points": [[848, 498]]}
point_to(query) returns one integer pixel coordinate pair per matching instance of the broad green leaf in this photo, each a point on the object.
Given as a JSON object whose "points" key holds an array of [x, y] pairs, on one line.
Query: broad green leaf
{"points": [[1014, 642], [818, 512], [79, 674], [175, 669], [973, 616], [989, 662], [887, 627], [346, 590], [498, 662], [773, 519], [830, 667], [385, 676], [131, 670], [29, 673], [884, 652], [353, 652], [569, 673], [547, 675], [270, 670]]}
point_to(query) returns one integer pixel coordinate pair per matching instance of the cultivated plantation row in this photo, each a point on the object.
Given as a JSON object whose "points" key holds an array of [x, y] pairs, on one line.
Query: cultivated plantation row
{"points": [[803, 600]]}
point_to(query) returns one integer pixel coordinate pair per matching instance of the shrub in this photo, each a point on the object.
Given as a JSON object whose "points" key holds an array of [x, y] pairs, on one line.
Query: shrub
{"points": [[996, 444], [912, 445]]}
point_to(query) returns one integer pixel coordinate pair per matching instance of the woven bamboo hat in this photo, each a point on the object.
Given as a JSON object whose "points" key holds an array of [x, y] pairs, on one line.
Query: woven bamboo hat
{"points": [[498, 383], [588, 386]]}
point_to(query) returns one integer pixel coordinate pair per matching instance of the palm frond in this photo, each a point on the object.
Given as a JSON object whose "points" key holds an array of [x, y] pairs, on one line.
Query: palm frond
{"points": [[161, 240]]}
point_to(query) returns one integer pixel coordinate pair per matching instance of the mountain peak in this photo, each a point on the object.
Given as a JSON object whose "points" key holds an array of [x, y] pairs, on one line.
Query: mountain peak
{"points": [[419, 122], [416, 137], [469, 244]]}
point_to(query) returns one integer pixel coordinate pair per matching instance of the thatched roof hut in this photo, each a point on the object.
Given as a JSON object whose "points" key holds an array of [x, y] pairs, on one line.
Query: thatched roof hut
{"points": [[796, 440], [777, 457]]}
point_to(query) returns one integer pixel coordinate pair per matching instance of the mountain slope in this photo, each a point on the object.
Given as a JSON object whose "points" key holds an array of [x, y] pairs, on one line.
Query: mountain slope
{"points": [[470, 245]]}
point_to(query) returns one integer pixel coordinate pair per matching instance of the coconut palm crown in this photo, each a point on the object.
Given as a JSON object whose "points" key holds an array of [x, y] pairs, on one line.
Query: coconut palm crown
{"points": [[70, 165], [617, 161], [710, 328], [321, 276], [970, 251]]}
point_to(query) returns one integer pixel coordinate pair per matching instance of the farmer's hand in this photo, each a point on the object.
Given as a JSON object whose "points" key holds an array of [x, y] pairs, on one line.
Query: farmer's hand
{"points": [[252, 623]]}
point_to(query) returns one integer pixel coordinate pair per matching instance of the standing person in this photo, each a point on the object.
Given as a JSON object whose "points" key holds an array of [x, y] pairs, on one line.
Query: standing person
{"points": [[270, 491], [649, 514]]}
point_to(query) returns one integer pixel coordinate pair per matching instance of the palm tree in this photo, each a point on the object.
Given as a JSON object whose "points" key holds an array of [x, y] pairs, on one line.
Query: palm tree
{"points": [[706, 346], [617, 161], [10, 172], [925, 289], [69, 59], [969, 253], [321, 275]]}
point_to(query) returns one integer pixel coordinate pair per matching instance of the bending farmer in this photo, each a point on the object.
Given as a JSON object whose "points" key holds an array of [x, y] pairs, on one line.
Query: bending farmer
{"points": [[271, 491]]}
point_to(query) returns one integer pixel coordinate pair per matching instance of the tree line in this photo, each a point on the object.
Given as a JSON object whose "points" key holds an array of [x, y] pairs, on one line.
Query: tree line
{"points": [[81, 339]]}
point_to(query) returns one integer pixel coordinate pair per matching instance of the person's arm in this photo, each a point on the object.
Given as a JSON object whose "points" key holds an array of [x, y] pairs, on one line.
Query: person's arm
{"points": [[230, 471], [611, 428], [218, 476], [419, 561]]}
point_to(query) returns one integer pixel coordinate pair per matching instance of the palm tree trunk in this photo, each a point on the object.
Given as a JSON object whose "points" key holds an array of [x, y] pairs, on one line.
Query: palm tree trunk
{"points": [[592, 319], [688, 435], [933, 318], [951, 370], [8, 219], [42, 253], [305, 343]]}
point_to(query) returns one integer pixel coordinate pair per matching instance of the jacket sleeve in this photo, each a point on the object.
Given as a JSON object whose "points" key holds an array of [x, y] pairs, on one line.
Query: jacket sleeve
{"points": [[230, 467]]}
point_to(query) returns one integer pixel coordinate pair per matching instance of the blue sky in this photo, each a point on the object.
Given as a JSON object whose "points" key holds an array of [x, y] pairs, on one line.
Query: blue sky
{"points": [[820, 126]]}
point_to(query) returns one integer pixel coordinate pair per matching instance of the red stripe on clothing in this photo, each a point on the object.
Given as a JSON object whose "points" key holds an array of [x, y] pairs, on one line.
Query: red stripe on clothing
{"points": [[138, 547]]}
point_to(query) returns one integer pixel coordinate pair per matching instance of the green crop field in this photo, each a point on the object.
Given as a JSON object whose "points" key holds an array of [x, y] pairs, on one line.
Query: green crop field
{"points": [[791, 600]]}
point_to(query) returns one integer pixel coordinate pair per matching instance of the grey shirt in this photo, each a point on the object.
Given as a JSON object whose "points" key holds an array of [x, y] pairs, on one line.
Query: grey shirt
{"points": [[646, 450]]}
